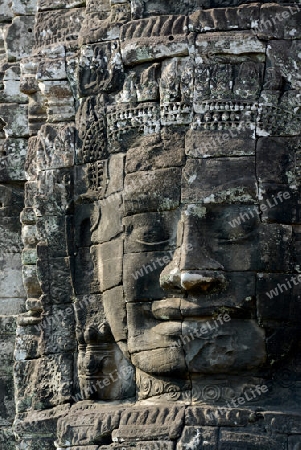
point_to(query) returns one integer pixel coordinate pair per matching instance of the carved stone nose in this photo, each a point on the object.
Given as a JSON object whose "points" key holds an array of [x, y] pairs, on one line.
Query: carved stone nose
{"points": [[173, 279], [193, 266], [202, 280]]}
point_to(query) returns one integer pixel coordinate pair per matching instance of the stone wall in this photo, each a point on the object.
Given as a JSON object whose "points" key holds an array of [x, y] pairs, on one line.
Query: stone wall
{"points": [[16, 42], [119, 120]]}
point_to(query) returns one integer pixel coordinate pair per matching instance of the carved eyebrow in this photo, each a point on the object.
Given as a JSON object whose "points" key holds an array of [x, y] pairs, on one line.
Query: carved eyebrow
{"points": [[152, 243]]}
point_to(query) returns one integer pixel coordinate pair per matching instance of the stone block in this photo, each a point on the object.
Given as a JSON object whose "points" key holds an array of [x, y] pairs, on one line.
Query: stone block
{"points": [[12, 306], [46, 5], [116, 174], [7, 325], [224, 19], [57, 232], [85, 274], [216, 416], [107, 218], [61, 25], [59, 100], [54, 192], [57, 328], [156, 8], [13, 153], [151, 152], [278, 22], [255, 441], [277, 297], [19, 37], [219, 180], [7, 439], [284, 423], [282, 57], [56, 276], [6, 11], [115, 312], [294, 442], [50, 386], [152, 191], [38, 428], [206, 437], [6, 353], [100, 68], [10, 235], [11, 285], [145, 43], [238, 345], [280, 153], [24, 7], [88, 424], [280, 341], [204, 144], [55, 146], [141, 275], [107, 259], [11, 86], [144, 423], [27, 342], [15, 118], [150, 231], [53, 65], [233, 43]]}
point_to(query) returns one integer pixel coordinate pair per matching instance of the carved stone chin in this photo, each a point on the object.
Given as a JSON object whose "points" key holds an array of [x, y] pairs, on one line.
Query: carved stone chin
{"points": [[150, 158]]}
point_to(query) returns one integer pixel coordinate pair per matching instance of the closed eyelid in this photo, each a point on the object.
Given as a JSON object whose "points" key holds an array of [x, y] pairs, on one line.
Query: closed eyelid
{"points": [[151, 243]]}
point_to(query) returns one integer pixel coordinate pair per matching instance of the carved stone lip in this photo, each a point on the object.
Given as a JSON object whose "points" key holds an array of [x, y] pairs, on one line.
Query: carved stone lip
{"points": [[181, 308]]}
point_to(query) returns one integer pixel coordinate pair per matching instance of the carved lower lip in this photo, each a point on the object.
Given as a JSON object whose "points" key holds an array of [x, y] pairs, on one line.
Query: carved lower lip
{"points": [[179, 309]]}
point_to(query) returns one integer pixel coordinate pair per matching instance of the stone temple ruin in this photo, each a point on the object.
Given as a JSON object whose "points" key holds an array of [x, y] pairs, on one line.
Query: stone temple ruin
{"points": [[150, 225]]}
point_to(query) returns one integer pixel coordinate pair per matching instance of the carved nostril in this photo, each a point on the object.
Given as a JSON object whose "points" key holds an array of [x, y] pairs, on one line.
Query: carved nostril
{"points": [[203, 281], [170, 280]]}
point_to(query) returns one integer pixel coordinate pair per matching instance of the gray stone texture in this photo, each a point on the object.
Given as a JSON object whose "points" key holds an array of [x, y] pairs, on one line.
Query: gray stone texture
{"points": [[150, 225]]}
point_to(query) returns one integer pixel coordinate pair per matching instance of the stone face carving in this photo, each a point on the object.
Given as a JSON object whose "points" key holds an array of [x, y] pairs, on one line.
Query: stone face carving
{"points": [[150, 222]]}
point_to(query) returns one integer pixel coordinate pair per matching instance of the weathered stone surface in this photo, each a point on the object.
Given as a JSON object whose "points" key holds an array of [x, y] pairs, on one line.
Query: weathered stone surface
{"points": [[280, 290], [217, 19], [116, 316], [205, 436], [149, 191], [229, 184], [144, 422], [44, 5], [11, 86], [15, 118], [204, 144], [100, 68], [256, 441], [154, 153], [294, 442], [168, 33], [24, 7], [89, 423], [141, 275], [48, 392], [150, 231], [57, 26], [19, 37], [108, 262], [154, 147], [242, 346], [13, 153]]}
